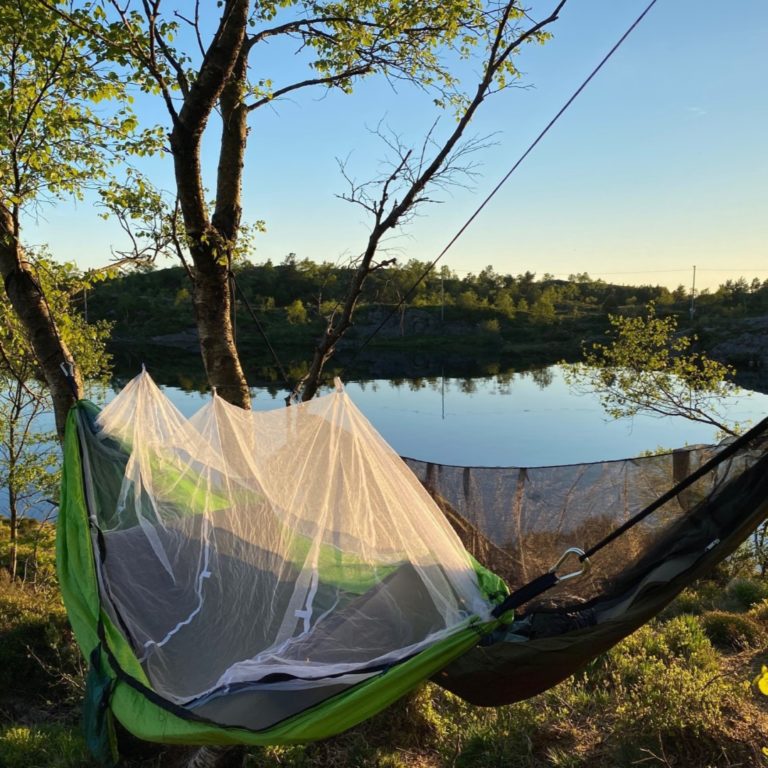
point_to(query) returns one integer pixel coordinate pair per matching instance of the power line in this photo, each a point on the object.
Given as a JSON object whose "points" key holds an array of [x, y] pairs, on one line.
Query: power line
{"points": [[723, 270]]}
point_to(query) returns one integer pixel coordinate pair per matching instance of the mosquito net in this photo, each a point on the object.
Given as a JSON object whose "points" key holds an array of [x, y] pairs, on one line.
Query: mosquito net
{"points": [[291, 550], [518, 521]]}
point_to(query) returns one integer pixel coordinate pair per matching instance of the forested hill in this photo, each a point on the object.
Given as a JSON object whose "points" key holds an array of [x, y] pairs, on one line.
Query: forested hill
{"points": [[547, 315]]}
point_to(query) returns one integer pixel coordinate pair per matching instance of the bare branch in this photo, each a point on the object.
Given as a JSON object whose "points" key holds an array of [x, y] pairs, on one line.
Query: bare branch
{"points": [[151, 11], [388, 216], [195, 24], [329, 80], [147, 58]]}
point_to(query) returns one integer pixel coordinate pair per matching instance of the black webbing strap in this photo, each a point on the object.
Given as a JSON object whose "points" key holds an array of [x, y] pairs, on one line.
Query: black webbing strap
{"points": [[68, 369], [524, 594], [708, 466]]}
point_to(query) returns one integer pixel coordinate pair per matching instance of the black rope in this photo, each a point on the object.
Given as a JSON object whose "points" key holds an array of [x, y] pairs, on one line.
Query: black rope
{"points": [[708, 466], [503, 181], [263, 333]]}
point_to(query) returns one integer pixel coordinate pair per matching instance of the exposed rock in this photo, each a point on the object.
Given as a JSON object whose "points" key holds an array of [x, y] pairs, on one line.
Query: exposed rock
{"points": [[409, 322], [746, 348], [187, 340]]}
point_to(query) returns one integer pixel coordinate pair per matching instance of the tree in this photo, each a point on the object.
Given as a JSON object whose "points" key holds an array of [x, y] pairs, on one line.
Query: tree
{"points": [[648, 367], [29, 464], [296, 313], [53, 143], [543, 309], [27, 460], [504, 302], [345, 41]]}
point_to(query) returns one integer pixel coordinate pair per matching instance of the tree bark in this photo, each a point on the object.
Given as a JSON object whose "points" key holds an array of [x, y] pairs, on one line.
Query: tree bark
{"points": [[14, 533], [211, 299], [28, 301], [211, 242]]}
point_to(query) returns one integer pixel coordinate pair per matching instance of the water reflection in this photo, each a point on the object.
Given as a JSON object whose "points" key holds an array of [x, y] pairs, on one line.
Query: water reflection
{"points": [[528, 418]]}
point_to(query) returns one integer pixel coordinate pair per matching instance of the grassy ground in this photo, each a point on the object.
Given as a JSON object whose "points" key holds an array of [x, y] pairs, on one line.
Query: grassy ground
{"points": [[676, 693]]}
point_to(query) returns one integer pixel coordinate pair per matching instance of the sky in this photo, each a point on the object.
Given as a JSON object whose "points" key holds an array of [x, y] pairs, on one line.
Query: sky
{"points": [[661, 163]]}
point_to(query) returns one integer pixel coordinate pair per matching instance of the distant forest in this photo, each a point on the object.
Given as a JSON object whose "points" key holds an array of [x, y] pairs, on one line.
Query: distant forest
{"points": [[300, 292]]}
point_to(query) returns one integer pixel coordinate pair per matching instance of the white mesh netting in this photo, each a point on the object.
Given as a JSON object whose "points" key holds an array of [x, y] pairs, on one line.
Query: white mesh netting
{"points": [[244, 548]]}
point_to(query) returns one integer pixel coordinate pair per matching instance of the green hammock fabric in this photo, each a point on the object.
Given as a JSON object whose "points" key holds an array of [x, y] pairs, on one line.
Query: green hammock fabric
{"points": [[125, 687]]}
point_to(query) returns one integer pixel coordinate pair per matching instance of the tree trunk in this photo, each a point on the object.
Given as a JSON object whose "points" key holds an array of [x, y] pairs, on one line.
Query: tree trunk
{"points": [[211, 254], [211, 242], [13, 546], [212, 303], [29, 303]]}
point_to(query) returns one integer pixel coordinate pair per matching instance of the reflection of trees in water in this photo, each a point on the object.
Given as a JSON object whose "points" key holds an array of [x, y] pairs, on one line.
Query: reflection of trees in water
{"points": [[543, 377], [504, 382], [174, 367]]}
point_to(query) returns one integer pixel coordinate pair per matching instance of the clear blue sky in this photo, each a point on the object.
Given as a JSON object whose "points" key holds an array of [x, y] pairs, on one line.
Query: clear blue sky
{"points": [[662, 163]]}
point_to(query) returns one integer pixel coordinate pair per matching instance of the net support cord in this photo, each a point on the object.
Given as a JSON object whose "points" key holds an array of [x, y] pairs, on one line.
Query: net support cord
{"points": [[407, 295]]}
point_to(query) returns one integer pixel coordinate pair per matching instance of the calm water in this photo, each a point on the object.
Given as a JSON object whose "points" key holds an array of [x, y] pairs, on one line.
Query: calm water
{"points": [[521, 419], [517, 419]]}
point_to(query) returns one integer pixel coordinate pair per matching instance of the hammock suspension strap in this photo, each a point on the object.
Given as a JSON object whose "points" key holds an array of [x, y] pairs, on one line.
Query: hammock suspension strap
{"points": [[544, 582], [68, 369]]}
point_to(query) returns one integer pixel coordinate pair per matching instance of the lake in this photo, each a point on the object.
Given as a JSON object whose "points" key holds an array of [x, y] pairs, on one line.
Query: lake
{"points": [[527, 418]]}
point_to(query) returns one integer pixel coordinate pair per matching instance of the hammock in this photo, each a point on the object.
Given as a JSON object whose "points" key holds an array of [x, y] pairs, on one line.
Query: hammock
{"points": [[274, 578]]}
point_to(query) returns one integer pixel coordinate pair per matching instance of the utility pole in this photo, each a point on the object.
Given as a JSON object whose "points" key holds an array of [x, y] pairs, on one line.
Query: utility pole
{"points": [[442, 299], [693, 293]]}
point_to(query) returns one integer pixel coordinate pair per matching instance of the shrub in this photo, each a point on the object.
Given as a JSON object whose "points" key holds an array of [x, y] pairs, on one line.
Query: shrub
{"points": [[710, 593], [491, 326], [687, 642], [688, 601], [746, 592], [38, 655], [759, 613], [664, 682], [296, 313], [733, 630], [52, 746]]}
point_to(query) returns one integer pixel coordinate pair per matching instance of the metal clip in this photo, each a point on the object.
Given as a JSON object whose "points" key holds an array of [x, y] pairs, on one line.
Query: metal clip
{"points": [[585, 564], [68, 368]]}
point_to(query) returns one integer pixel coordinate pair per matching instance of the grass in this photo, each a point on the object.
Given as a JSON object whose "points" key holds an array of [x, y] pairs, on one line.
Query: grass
{"points": [[676, 693]]}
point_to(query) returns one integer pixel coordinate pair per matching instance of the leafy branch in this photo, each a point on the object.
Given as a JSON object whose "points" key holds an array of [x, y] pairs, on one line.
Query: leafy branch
{"points": [[649, 367]]}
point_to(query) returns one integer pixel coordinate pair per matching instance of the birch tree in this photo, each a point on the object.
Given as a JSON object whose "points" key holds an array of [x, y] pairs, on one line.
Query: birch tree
{"points": [[342, 41], [58, 139], [648, 367]]}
